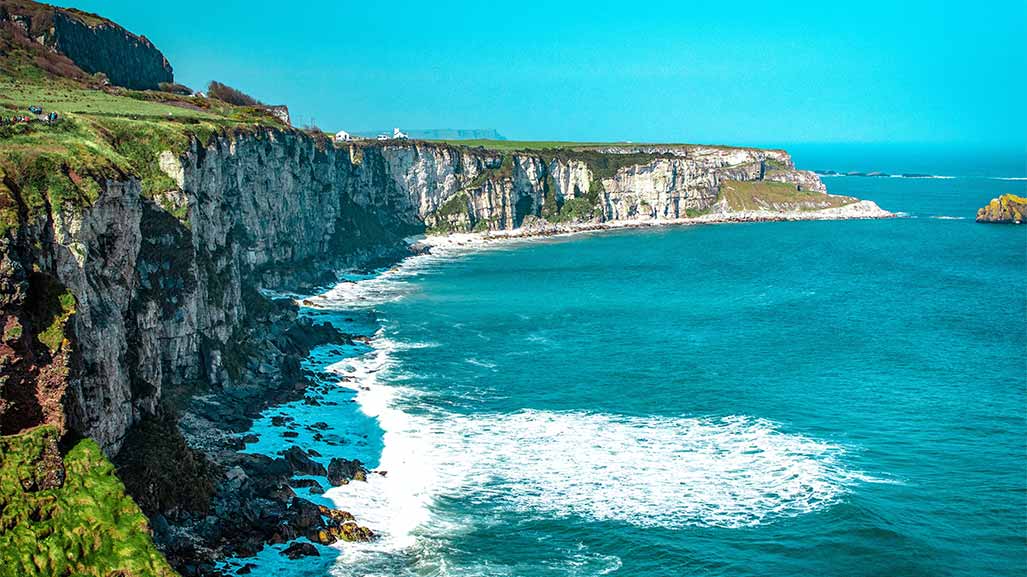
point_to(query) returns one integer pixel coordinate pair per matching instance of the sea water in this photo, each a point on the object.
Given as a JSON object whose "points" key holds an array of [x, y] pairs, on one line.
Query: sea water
{"points": [[804, 398]]}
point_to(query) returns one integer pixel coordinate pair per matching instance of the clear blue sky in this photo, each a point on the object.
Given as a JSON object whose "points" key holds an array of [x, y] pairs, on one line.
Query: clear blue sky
{"points": [[919, 71]]}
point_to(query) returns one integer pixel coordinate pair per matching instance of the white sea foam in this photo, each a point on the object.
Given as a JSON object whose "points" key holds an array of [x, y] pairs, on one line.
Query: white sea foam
{"points": [[1013, 178], [949, 217], [648, 471]]}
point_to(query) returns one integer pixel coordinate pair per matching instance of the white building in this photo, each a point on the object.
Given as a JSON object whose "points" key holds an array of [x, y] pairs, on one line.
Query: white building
{"points": [[343, 136], [398, 134]]}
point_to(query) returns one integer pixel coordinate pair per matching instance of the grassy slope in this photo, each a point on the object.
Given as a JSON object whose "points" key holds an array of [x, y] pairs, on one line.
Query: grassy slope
{"points": [[523, 145], [103, 134], [86, 526], [769, 195]]}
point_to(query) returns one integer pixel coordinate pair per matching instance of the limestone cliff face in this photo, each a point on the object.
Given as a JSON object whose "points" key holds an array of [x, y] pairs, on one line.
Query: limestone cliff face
{"points": [[168, 306], [456, 189], [171, 305]]}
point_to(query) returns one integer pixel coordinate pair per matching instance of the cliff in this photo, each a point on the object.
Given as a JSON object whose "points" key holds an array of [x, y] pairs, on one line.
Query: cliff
{"points": [[160, 283], [71, 43], [1008, 208], [461, 189]]}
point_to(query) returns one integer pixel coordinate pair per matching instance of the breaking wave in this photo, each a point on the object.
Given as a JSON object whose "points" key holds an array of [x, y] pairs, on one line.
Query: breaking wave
{"points": [[668, 472]]}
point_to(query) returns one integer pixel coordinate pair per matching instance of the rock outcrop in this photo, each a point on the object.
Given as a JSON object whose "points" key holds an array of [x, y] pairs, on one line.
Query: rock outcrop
{"points": [[94, 44], [1008, 208]]}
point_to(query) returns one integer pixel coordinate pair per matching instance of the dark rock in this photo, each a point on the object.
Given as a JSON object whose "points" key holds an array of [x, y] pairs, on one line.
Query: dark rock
{"points": [[290, 434], [342, 471], [311, 484], [304, 515], [160, 524], [250, 438], [281, 493], [282, 533], [300, 550], [301, 463]]}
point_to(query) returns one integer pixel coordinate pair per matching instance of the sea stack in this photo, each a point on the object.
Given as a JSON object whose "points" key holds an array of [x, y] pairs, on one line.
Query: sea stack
{"points": [[1007, 209]]}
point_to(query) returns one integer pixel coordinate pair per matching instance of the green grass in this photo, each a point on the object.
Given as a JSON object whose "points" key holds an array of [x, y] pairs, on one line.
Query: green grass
{"points": [[769, 195], [65, 98], [441, 219], [102, 135], [525, 145], [53, 336], [86, 526]]}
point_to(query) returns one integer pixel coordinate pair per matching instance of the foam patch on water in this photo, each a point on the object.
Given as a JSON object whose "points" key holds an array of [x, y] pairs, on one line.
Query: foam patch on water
{"points": [[666, 472]]}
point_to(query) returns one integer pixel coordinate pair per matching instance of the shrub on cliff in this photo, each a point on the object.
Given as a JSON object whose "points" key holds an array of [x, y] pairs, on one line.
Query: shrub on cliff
{"points": [[174, 88], [230, 95]]}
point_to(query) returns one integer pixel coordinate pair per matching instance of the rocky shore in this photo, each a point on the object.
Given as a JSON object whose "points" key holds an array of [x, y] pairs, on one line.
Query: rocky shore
{"points": [[861, 210]]}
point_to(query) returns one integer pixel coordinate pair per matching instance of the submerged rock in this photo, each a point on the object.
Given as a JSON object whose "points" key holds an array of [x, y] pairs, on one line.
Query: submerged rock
{"points": [[301, 462], [1008, 208], [300, 550]]}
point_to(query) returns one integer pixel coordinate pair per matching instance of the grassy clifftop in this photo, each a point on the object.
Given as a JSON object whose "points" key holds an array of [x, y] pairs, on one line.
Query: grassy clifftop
{"points": [[68, 515], [102, 134], [770, 195], [554, 145]]}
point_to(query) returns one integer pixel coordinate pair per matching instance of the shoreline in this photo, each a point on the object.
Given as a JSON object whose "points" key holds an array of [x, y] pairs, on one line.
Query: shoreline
{"points": [[862, 210]]}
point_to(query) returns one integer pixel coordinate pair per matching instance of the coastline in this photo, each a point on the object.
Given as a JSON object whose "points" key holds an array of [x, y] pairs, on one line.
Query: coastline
{"points": [[861, 210]]}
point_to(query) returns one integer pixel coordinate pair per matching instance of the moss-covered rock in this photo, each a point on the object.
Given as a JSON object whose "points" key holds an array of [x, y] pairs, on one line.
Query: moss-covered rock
{"points": [[1008, 208], [68, 515]]}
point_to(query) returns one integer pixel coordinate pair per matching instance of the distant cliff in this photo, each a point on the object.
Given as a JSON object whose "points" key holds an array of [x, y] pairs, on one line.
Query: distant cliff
{"points": [[462, 189], [92, 43], [1007, 208]]}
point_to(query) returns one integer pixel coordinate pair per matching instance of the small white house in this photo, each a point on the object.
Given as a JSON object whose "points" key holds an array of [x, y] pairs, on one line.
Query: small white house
{"points": [[343, 136], [398, 134]]}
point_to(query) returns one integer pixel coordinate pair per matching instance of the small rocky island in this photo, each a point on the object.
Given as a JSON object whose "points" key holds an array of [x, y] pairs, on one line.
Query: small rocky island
{"points": [[1008, 209]]}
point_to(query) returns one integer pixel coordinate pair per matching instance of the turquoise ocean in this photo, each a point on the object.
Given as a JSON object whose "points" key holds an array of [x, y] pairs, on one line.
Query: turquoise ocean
{"points": [[808, 398]]}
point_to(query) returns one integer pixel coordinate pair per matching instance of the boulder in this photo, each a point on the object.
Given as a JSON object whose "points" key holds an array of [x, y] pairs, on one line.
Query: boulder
{"points": [[342, 471], [302, 464], [299, 550], [304, 515]]}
